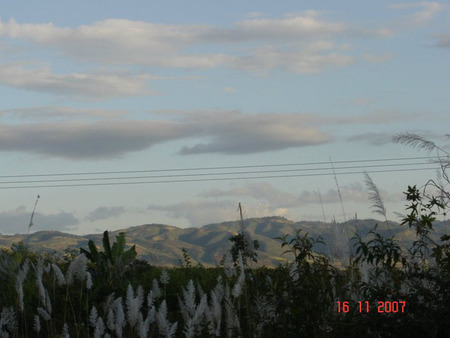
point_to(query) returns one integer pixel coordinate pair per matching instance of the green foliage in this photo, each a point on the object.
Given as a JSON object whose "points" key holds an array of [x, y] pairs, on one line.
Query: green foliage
{"points": [[378, 250], [296, 299], [113, 261], [185, 262], [301, 246], [243, 244]]}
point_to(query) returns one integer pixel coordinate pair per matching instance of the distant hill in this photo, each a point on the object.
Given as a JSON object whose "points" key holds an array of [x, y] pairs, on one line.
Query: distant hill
{"points": [[162, 244]]}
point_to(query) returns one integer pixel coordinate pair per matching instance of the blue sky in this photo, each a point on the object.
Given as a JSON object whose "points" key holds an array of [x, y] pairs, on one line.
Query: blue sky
{"points": [[109, 86]]}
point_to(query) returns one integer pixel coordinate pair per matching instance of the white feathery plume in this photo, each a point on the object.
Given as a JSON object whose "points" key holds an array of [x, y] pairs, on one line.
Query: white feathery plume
{"points": [[200, 290], [144, 326], [231, 318], [293, 272], [110, 320], [165, 278], [8, 319], [93, 316], [134, 304], [266, 312], [155, 289], [193, 326], [77, 269], [214, 312], [44, 314], [150, 299], [365, 273], [151, 315], [187, 305], [237, 289], [37, 324], [99, 328], [228, 266], [107, 304], [165, 328], [119, 316], [58, 275], [48, 303], [191, 312], [19, 282], [39, 273], [88, 280], [65, 331]]}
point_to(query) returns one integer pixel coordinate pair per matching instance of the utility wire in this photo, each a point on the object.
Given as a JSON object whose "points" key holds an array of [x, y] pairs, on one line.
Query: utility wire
{"points": [[214, 174], [211, 179], [219, 167]]}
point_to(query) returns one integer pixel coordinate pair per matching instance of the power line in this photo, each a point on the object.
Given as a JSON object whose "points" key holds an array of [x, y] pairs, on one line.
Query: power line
{"points": [[211, 179], [215, 174], [218, 167]]}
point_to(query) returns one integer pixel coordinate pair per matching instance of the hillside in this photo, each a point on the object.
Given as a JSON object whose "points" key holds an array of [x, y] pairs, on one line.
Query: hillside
{"points": [[162, 244]]}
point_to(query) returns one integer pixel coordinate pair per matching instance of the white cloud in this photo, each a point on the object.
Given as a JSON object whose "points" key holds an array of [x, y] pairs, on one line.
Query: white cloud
{"points": [[266, 194], [17, 221], [259, 199], [299, 61], [102, 213], [76, 85], [258, 190], [297, 26], [199, 213], [424, 13], [266, 43]]}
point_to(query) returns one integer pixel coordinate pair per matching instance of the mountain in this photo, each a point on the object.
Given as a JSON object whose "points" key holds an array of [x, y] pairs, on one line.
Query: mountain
{"points": [[162, 244]]}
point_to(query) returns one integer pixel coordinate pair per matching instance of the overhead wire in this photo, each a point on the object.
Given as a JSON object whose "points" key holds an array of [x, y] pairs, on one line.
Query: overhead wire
{"points": [[209, 176], [218, 167]]}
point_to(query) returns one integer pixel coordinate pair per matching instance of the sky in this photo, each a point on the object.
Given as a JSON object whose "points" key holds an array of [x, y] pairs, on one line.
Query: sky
{"points": [[119, 113]]}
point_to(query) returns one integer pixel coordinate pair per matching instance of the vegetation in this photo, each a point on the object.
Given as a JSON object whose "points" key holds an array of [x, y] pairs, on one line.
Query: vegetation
{"points": [[384, 289]]}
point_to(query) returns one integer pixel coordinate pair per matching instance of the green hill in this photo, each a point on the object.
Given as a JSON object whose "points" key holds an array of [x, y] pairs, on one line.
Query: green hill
{"points": [[162, 244]]}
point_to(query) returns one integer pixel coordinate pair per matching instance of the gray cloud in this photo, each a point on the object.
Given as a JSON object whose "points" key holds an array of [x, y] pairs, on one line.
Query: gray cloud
{"points": [[103, 139], [443, 41], [105, 213], [279, 199], [230, 132], [257, 190], [61, 112], [372, 138], [75, 85], [225, 132], [237, 133], [199, 213], [212, 208], [374, 117], [17, 221]]}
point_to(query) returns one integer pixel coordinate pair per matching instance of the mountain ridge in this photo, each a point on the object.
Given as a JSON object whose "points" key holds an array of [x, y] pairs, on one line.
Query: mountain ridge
{"points": [[162, 244]]}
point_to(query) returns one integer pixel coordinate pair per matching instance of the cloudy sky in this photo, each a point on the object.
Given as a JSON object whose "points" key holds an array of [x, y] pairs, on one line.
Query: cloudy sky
{"points": [[125, 113]]}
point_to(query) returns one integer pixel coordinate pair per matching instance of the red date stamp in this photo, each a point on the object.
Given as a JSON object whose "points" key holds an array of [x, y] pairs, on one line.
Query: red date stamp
{"points": [[381, 307]]}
